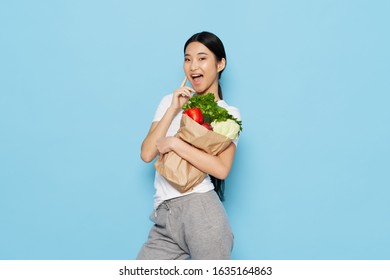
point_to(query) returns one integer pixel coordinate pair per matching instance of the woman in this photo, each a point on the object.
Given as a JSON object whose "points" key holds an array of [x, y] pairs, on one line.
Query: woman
{"points": [[193, 224]]}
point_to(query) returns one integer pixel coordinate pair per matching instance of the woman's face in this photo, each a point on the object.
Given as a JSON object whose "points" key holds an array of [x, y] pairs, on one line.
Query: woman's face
{"points": [[202, 68]]}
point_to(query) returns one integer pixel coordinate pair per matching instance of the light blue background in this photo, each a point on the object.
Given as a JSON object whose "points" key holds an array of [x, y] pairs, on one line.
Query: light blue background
{"points": [[79, 84]]}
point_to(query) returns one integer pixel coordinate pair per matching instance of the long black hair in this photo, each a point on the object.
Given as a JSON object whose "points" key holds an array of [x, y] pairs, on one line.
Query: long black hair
{"points": [[215, 45]]}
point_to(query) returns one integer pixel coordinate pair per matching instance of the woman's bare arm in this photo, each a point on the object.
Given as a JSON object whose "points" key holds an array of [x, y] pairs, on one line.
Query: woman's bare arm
{"points": [[218, 166], [159, 129]]}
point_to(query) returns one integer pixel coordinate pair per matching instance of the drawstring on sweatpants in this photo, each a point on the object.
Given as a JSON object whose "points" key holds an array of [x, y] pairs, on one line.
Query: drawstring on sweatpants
{"points": [[166, 206]]}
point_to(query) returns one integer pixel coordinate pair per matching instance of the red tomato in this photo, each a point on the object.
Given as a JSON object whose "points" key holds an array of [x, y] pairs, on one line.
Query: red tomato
{"points": [[207, 125], [195, 114]]}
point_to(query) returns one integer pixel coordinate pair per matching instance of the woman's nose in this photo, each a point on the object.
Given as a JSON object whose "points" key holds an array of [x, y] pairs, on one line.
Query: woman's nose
{"points": [[194, 65]]}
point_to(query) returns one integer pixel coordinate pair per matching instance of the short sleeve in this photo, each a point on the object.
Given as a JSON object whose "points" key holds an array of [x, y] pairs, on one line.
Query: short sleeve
{"points": [[162, 107]]}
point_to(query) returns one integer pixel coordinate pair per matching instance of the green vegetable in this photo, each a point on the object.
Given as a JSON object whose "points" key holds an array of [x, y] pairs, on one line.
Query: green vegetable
{"points": [[210, 109]]}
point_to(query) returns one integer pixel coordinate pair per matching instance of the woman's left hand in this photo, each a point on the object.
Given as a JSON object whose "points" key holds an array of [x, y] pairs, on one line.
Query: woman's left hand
{"points": [[165, 144]]}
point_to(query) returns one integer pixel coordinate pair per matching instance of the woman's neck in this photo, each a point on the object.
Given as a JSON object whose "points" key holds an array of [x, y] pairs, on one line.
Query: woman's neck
{"points": [[213, 90]]}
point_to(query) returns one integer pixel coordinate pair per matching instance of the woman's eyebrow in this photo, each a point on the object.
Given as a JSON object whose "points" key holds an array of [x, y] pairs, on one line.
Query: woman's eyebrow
{"points": [[200, 53]]}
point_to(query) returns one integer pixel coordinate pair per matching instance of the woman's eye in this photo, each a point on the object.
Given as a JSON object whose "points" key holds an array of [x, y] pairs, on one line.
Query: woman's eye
{"points": [[202, 58], [186, 59]]}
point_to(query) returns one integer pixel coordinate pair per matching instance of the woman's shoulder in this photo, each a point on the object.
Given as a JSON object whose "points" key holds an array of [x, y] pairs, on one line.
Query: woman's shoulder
{"points": [[166, 98], [165, 101]]}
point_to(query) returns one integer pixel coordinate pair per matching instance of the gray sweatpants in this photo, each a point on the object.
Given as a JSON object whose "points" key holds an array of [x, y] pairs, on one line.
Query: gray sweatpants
{"points": [[193, 226]]}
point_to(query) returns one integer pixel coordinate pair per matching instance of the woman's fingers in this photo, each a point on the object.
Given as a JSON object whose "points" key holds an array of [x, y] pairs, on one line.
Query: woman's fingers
{"points": [[163, 145], [182, 94], [187, 89], [183, 82]]}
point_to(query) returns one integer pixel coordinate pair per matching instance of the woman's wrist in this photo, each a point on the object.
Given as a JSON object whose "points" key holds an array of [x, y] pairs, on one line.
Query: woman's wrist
{"points": [[173, 110]]}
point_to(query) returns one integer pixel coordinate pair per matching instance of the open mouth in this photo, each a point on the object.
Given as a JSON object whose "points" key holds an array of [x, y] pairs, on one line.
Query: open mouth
{"points": [[196, 77]]}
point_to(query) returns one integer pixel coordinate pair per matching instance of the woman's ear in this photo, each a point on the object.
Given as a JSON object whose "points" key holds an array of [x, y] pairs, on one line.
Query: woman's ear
{"points": [[221, 65]]}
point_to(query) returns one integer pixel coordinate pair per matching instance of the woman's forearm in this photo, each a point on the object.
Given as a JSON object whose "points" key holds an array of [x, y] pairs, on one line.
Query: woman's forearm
{"points": [[217, 166], [157, 130]]}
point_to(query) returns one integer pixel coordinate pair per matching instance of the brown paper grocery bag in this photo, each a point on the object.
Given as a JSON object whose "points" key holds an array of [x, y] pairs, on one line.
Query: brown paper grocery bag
{"points": [[202, 138], [181, 174]]}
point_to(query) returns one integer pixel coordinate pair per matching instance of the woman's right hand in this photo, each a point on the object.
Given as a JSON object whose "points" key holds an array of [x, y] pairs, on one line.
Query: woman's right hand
{"points": [[181, 95], [159, 129]]}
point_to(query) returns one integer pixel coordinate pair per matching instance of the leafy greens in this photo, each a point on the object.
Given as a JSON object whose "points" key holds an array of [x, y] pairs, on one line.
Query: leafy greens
{"points": [[210, 109]]}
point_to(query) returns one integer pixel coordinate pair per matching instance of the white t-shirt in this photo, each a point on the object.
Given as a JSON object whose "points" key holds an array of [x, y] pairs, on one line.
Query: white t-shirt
{"points": [[164, 190]]}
